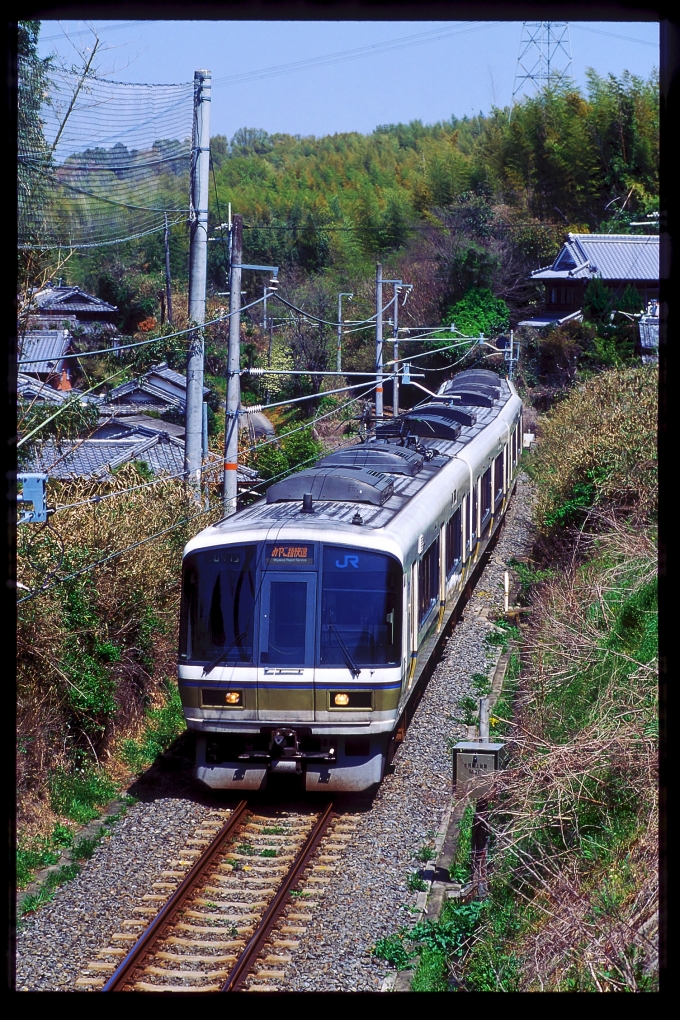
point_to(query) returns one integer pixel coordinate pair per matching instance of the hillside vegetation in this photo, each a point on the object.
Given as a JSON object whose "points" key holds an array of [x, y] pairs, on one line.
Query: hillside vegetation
{"points": [[573, 899]]}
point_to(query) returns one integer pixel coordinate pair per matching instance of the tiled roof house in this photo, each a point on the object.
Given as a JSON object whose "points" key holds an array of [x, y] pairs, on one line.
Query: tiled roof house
{"points": [[41, 354], [160, 389], [52, 306], [617, 259]]}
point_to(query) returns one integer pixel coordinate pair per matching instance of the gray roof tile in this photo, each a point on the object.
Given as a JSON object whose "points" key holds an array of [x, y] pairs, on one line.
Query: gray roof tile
{"points": [[609, 256], [70, 299], [41, 344]]}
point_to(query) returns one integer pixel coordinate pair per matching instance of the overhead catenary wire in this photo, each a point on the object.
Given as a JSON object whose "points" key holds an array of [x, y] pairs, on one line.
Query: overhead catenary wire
{"points": [[256, 408], [172, 336], [312, 423], [325, 322]]}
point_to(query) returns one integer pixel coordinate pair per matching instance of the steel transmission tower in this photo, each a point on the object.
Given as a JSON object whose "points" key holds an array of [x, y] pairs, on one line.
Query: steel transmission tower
{"points": [[544, 55]]}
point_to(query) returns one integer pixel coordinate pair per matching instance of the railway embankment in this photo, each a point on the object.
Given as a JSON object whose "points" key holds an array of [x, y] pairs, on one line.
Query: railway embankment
{"points": [[572, 902]]}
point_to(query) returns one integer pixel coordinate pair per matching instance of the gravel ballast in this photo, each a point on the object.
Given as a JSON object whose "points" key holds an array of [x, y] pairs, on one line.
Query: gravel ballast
{"points": [[55, 944], [366, 898]]}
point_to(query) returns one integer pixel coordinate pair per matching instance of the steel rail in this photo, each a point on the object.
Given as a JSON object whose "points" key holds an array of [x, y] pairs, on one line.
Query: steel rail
{"points": [[124, 972], [271, 915]]}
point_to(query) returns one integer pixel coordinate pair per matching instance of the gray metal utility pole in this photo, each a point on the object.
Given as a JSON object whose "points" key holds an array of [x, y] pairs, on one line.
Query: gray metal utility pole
{"points": [[233, 369], [340, 297], [378, 343], [198, 265], [168, 280], [395, 349]]}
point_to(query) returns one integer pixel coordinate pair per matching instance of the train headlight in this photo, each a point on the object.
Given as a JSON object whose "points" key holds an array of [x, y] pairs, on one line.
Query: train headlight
{"points": [[232, 697], [341, 699]]}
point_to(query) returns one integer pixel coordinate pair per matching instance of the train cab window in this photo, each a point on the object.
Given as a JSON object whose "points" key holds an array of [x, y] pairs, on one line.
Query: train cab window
{"points": [[454, 543], [218, 605], [497, 479], [486, 500], [428, 581], [361, 608]]}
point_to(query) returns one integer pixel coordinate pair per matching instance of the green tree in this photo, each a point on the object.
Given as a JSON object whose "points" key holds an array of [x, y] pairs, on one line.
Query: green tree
{"points": [[479, 312], [34, 157], [597, 301]]}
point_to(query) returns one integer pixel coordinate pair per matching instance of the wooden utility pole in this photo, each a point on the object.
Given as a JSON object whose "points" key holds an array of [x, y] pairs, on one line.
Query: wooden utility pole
{"points": [[198, 265], [233, 370], [378, 344]]}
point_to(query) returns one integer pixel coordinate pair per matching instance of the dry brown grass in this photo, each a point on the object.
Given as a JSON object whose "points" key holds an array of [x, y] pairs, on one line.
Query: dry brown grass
{"points": [[94, 652], [603, 436], [575, 819]]}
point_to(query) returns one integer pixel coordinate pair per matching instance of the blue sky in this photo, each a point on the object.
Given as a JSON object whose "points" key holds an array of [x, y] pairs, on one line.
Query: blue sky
{"points": [[457, 68]]}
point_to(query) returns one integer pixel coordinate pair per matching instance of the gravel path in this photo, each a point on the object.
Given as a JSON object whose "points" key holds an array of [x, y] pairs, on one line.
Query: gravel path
{"points": [[368, 897]]}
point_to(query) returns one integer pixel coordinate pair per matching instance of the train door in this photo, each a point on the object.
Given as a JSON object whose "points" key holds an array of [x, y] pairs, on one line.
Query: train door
{"points": [[285, 674], [413, 629]]}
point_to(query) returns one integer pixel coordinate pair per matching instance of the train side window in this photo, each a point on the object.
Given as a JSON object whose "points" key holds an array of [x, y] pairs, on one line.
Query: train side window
{"points": [[474, 509], [454, 543], [428, 581], [486, 500], [497, 479]]}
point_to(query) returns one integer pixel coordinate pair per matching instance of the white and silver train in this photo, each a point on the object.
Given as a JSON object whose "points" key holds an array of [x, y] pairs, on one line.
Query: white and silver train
{"points": [[308, 617]]}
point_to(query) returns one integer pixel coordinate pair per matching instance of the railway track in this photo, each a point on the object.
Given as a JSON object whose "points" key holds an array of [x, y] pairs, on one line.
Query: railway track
{"points": [[235, 917]]}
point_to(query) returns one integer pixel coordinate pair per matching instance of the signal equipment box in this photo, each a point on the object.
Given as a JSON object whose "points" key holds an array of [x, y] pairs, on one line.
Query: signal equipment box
{"points": [[474, 759]]}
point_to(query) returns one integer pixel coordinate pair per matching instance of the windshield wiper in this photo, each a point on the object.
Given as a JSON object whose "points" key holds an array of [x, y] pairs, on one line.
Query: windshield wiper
{"points": [[225, 651], [351, 664]]}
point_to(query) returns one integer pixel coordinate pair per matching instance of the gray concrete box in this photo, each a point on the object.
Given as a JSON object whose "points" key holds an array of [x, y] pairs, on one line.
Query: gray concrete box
{"points": [[474, 759]]}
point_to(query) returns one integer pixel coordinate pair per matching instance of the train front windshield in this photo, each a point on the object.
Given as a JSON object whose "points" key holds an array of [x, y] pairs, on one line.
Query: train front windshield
{"points": [[350, 609], [360, 608], [218, 605]]}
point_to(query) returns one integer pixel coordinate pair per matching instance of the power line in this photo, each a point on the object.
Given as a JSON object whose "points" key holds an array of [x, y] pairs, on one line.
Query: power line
{"points": [[331, 58], [89, 31], [113, 556], [119, 492], [614, 35], [183, 332], [158, 534], [140, 343]]}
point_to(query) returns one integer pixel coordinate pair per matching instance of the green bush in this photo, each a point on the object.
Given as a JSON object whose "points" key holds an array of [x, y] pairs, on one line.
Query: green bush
{"points": [[479, 312], [80, 793], [392, 950], [598, 449], [163, 726]]}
